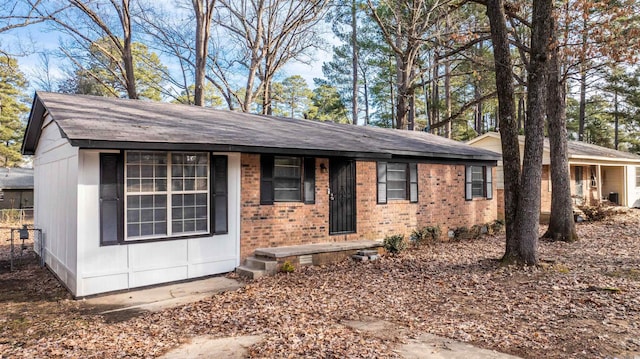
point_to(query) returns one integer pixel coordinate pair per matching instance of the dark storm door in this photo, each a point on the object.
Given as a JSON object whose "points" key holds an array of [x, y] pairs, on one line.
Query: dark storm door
{"points": [[342, 196]]}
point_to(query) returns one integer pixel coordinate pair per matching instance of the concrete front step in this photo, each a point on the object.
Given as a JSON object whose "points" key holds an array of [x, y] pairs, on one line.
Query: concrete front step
{"points": [[250, 273], [266, 261], [306, 249], [266, 264], [256, 267]]}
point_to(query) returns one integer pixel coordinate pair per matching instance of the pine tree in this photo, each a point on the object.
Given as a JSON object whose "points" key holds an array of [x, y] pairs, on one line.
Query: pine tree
{"points": [[12, 108]]}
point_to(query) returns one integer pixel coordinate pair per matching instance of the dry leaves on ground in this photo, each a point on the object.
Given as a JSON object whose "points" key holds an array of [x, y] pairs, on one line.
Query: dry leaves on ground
{"points": [[582, 301]]}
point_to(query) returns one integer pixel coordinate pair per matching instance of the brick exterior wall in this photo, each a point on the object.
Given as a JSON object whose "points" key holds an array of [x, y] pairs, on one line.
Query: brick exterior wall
{"points": [[441, 202]]}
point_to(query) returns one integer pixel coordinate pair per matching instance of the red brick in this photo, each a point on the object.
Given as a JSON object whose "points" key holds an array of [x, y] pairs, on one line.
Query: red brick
{"points": [[441, 202]]}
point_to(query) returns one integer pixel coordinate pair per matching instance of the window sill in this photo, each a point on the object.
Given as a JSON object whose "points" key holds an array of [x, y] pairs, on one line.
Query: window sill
{"points": [[163, 239]]}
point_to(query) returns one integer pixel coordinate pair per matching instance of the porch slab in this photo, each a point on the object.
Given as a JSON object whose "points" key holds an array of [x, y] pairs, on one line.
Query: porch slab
{"points": [[306, 249]]}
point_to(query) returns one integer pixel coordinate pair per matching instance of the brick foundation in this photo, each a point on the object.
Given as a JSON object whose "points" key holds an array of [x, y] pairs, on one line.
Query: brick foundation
{"points": [[441, 202]]}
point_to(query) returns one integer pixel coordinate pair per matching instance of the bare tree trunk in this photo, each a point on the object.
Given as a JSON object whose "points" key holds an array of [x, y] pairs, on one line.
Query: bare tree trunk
{"points": [[508, 125], [561, 223], [521, 111], [583, 104], [365, 85], [616, 123], [528, 215], [447, 95], [435, 96], [583, 81], [354, 63], [127, 55], [203, 10]]}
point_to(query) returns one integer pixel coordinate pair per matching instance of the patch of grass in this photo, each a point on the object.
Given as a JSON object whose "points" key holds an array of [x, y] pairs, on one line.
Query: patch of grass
{"points": [[561, 268]]}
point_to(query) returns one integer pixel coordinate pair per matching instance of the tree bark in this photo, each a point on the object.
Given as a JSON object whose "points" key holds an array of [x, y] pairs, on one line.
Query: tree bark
{"points": [[583, 81], [354, 63], [561, 223], [508, 125], [528, 215], [447, 95], [203, 10]]}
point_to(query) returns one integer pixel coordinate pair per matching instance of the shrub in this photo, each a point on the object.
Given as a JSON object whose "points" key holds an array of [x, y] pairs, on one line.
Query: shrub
{"points": [[287, 267], [496, 226], [598, 212], [394, 244], [426, 235]]}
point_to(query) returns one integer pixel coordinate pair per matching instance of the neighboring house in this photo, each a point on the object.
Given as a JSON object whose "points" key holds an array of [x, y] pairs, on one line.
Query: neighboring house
{"points": [[16, 188], [132, 193], [597, 173]]}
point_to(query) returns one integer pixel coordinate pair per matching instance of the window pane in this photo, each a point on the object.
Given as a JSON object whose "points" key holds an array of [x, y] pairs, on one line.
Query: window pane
{"points": [[201, 225], [477, 181], [133, 215], [146, 229], [147, 172], [133, 171], [133, 230], [284, 195], [133, 185], [161, 185], [146, 185], [189, 185]]}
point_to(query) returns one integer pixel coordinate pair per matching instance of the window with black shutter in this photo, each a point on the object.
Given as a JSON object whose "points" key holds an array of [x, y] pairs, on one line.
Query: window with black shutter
{"points": [[287, 179], [111, 199], [397, 181]]}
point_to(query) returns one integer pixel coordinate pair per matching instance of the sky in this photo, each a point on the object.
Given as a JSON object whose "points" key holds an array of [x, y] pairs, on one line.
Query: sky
{"points": [[39, 38]]}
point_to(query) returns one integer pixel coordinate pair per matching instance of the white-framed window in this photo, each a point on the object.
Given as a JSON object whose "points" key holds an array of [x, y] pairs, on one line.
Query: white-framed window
{"points": [[637, 176], [397, 181], [166, 194], [478, 182]]}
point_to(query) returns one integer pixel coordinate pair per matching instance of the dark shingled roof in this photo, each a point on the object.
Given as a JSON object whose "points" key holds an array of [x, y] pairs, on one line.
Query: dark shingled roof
{"points": [[16, 178], [111, 123]]}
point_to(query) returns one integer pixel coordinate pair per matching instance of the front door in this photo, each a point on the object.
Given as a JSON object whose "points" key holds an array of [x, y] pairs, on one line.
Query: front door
{"points": [[342, 196]]}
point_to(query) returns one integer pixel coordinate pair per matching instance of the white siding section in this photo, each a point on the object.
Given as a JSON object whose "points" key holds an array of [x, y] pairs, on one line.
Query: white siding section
{"points": [[632, 190], [109, 268], [55, 177]]}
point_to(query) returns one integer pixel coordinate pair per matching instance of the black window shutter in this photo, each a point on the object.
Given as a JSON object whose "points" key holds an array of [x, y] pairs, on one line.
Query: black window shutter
{"points": [[488, 182], [266, 179], [111, 198], [219, 195], [309, 180], [382, 182], [413, 182]]}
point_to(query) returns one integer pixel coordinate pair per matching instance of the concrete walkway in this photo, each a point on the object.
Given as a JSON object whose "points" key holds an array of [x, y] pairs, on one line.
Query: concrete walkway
{"points": [[158, 298], [123, 306]]}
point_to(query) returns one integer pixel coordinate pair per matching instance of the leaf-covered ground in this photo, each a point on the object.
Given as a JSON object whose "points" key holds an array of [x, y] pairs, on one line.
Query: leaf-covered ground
{"points": [[582, 301]]}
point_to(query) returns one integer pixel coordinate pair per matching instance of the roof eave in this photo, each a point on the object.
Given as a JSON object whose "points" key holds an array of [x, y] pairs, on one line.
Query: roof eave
{"points": [[602, 159], [34, 125]]}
